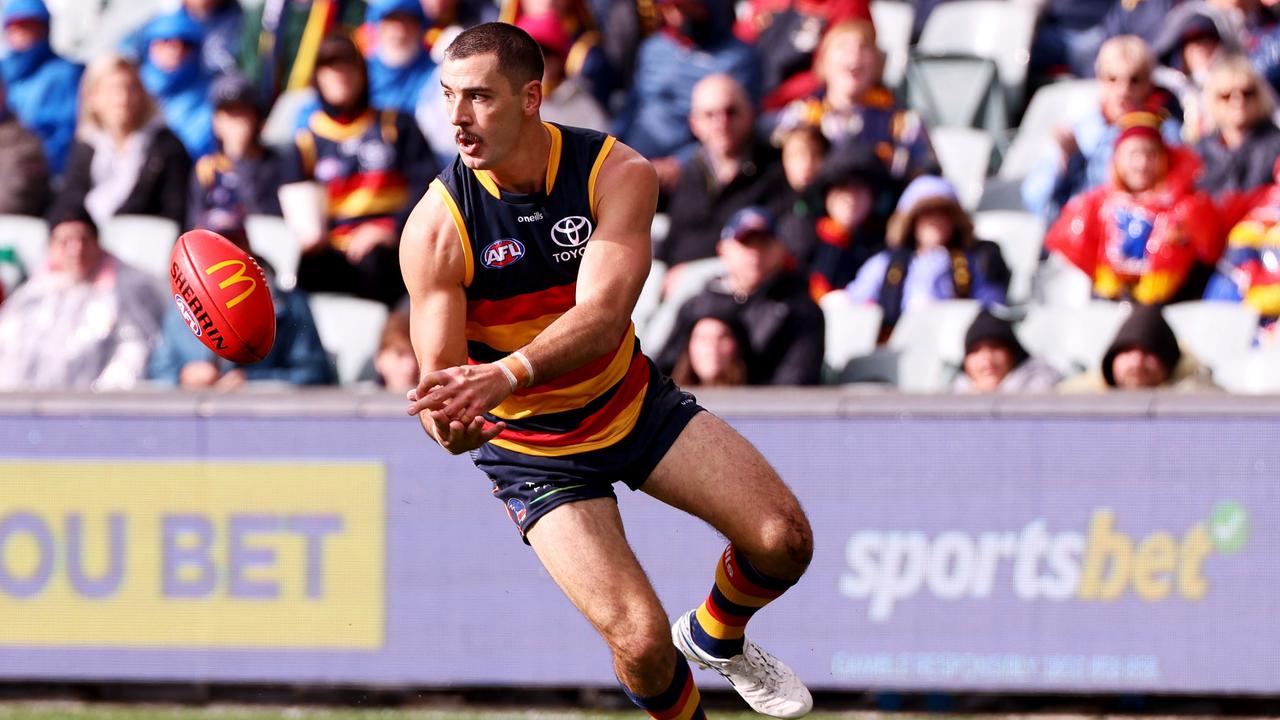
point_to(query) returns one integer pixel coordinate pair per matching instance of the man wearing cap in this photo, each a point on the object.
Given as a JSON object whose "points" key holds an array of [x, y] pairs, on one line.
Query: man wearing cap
{"points": [[996, 362], [241, 176], [43, 88], [768, 297], [171, 71], [1147, 235]]}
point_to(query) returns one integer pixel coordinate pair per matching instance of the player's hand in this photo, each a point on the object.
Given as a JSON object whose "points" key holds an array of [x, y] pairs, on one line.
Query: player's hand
{"points": [[457, 438]]}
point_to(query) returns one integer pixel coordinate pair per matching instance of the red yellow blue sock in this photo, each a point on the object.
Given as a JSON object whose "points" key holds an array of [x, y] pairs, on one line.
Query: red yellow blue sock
{"points": [[740, 590], [680, 701]]}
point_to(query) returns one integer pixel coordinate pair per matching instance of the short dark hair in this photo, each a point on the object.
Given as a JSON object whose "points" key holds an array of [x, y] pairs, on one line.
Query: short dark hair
{"points": [[519, 57], [71, 212]]}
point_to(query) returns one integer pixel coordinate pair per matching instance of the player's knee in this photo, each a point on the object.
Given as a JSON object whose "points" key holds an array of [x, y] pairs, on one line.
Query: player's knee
{"points": [[787, 540], [642, 644]]}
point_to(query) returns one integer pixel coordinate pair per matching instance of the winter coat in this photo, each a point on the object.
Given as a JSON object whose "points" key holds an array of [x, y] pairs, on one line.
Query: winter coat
{"points": [[183, 95], [1243, 169], [24, 174], [43, 91], [161, 188], [1248, 271], [1140, 247]]}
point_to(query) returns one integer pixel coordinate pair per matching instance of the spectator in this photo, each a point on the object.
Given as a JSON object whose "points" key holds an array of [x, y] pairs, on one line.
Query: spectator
{"points": [[1249, 271], [243, 177], [695, 41], [995, 362], [24, 174], [395, 363], [1082, 157], [1146, 236], [771, 300], [124, 160], [373, 163], [1144, 356], [399, 63], [715, 353], [296, 356], [1068, 36], [1145, 18], [849, 225], [222, 23], [1192, 36], [585, 58], [172, 73], [1239, 154], [852, 105], [1259, 30], [730, 170], [787, 32], [931, 255], [42, 86], [87, 321], [273, 54], [565, 99]]}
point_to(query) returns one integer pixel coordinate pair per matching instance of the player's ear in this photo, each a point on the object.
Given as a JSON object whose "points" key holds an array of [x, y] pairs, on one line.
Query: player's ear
{"points": [[531, 97]]}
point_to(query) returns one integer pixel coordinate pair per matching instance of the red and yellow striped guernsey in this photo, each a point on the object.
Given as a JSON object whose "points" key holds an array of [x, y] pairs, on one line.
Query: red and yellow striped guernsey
{"points": [[522, 255]]}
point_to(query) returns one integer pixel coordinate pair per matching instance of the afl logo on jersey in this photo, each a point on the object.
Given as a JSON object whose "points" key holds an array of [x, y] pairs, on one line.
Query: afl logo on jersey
{"points": [[501, 253], [571, 232]]}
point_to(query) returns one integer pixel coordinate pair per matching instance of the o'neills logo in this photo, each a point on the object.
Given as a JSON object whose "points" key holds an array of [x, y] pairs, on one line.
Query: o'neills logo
{"points": [[193, 312]]}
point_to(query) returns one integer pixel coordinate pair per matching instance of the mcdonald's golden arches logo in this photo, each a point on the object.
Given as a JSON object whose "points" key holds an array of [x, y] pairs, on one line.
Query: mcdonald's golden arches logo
{"points": [[236, 278]]}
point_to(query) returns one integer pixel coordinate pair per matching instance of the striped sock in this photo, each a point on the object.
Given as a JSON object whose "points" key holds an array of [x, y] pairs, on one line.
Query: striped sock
{"points": [[740, 590], [680, 701]]}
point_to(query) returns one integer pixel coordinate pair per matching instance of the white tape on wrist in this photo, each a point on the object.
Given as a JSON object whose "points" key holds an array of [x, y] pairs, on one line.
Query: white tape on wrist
{"points": [[528, 366], [511, 377]]}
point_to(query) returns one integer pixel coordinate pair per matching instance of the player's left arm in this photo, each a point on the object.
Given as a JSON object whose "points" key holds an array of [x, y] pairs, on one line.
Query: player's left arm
{"points": [[613, 270]]}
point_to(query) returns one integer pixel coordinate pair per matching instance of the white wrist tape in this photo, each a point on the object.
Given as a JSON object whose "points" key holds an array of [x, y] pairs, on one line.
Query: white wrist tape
{"points": [[511, 377]]}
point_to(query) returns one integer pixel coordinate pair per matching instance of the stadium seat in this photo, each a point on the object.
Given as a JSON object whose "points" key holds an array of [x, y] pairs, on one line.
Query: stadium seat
{"points": [[1020, 236], [28, 237], [965, 156], [930, 343], [994, 29], [1214, 331], [1256, 372], [893, 20], [283, 119], [143, 241], [1060, 103], [1071, 338], [650, 296], [956, 90], [1058, 282], [271, 238], [82, 31], [851, 330], [693, 277], [349, 328]]}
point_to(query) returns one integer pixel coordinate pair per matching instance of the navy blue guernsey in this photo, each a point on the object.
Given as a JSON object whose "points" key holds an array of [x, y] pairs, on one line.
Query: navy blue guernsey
{"points": [[522, 255]]}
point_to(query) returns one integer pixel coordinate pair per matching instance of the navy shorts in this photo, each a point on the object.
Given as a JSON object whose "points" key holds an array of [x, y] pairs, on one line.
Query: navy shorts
{"points": [[530, 486]]}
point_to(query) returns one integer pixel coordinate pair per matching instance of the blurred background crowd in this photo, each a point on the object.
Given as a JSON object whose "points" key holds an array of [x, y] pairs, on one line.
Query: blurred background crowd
{"points": [[937, 196]]}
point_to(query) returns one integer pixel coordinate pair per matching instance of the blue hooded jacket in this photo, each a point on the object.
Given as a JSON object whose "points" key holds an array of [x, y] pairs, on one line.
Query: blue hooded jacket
{"points": [[656, 119], [43, 88], [183, 93], [398, 88]]}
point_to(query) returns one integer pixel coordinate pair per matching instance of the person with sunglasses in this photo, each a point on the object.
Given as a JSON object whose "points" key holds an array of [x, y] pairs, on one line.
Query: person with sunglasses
{"points": [[1244, 144]]}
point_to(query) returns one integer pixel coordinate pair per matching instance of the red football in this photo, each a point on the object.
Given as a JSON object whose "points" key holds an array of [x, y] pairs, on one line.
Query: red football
{"points": [[223, 296]]}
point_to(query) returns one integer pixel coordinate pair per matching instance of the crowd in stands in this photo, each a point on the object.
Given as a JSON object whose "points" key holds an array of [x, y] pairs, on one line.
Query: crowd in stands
{"points": [[800, 187]]}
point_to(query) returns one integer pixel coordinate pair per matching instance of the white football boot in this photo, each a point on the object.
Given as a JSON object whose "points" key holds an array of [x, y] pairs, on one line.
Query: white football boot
{"points": [[765, 682]]}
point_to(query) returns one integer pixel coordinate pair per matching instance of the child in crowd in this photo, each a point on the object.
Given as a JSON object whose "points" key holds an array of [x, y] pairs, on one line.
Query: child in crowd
{"points": [[395, 363]]}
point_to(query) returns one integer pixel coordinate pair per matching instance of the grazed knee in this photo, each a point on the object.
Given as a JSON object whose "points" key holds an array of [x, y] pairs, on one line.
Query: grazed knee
{"points": [[785, 544]]}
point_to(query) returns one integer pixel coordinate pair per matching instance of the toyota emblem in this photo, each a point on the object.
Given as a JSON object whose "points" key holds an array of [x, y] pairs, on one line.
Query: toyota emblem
{"points": [[571, 231]]}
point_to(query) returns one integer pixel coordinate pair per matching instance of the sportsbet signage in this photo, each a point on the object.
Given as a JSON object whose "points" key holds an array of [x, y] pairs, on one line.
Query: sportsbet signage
{"points": [[1100, 553], [1101, 564], [191, 554]]}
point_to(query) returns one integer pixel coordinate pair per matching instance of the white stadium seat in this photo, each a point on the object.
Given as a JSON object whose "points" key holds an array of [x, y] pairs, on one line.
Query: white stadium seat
{"points": [[29, 239], [965, 156], [142, 241], [270, 237], [1058, 104], [851, 330], [349, 329], [693, 277], [1020, 236], [1072, 338], [1214, 331], [893, 20], [994, 29], [280, 124], [1256, 372], [930, 343]]}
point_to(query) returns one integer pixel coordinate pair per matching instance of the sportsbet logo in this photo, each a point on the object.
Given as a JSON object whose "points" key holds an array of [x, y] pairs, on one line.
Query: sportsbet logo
{"points": [[1103, 564]]}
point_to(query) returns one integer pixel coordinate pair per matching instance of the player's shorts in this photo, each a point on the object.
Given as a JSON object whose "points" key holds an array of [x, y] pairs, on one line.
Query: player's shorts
{"points": [[530, 486]]}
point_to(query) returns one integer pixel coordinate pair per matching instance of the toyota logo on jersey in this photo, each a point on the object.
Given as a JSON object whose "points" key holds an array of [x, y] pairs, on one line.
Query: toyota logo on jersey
{"points": [[501, 253], [572, 231]]}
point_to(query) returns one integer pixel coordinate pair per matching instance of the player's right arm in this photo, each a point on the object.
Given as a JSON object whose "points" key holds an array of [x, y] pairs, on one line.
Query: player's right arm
{"points": [[434, 267]]}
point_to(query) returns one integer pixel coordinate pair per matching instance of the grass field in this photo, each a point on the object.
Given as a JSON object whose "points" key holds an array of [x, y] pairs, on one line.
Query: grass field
{"points": [[112, 711]]}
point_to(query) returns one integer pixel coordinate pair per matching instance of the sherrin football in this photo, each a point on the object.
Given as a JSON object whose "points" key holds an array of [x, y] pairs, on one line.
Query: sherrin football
{"points": [[222, 295]]}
